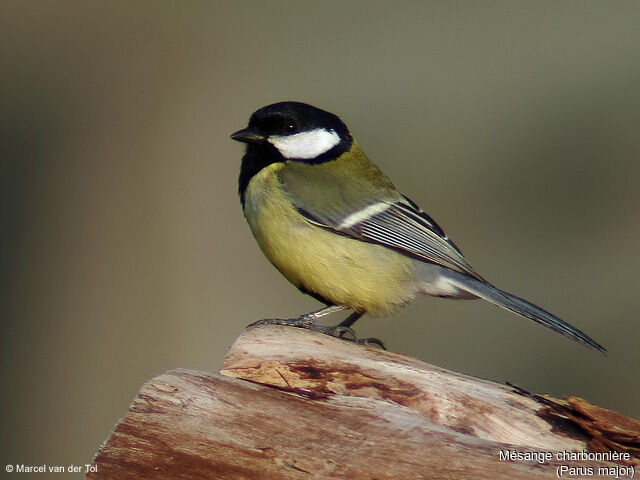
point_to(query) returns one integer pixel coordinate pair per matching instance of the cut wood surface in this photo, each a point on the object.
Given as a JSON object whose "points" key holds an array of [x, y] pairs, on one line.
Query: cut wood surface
{"points": [[290, 403]]}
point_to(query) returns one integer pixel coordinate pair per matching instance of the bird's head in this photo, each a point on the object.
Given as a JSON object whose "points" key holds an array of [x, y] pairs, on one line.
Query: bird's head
{"points": [[297, 132]]}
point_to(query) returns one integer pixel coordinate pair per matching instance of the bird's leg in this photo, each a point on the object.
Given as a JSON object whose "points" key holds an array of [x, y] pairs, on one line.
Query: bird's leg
{"points": [[343, 329], [350, 320], [345, 326], [308, 320]]}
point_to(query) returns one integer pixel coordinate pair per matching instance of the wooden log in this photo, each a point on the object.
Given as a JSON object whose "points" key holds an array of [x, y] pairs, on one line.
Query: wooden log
{"points": [[291, 403]]}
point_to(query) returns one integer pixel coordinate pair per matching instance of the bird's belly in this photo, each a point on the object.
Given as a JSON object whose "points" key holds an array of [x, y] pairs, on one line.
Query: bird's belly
{"points": [[344, 271]]}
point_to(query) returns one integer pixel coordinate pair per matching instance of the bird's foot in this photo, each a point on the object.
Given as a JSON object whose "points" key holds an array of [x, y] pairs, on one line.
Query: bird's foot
{"points": [[343, 333], [308, 320], [303, 321], [372, 342], [349, 335]]}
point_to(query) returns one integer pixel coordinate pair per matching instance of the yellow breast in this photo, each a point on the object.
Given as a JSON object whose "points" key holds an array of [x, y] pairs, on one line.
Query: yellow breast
{"points": [[362, 276]]}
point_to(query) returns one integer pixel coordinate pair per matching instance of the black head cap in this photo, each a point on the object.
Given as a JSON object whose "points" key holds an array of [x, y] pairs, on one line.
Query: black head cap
{"points": [[271, 125]]}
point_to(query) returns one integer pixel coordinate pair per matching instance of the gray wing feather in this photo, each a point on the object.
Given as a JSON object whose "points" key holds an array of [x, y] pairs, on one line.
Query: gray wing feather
{"points": [[403, 227]]}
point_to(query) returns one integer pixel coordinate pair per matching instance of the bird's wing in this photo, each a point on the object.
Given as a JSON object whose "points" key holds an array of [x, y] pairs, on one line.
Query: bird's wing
{"points": [[381, 216]]}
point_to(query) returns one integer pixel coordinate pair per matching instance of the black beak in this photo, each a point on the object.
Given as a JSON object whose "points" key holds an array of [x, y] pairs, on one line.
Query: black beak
{"points": [[248, 135]]}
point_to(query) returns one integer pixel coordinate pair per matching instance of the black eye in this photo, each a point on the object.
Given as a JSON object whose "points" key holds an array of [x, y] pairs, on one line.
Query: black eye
{"points": [[290, 127]]}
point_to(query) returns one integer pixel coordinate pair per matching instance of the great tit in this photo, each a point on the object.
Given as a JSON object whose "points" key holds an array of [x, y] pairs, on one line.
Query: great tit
{"points": [[338, 229]]}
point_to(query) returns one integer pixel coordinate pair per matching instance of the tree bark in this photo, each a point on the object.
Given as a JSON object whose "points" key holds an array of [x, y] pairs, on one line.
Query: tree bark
{"points": [[292, 403]]}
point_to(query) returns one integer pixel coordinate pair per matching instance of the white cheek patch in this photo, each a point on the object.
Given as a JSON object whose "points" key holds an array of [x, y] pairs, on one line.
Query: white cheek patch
{"points": [[305, 145]]}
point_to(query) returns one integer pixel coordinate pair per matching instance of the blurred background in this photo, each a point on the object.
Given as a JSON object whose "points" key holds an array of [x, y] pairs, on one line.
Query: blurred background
{"points": [[123, 249]]}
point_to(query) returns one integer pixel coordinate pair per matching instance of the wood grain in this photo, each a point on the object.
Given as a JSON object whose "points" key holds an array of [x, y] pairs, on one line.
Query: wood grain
{"points": [[291, 403]]}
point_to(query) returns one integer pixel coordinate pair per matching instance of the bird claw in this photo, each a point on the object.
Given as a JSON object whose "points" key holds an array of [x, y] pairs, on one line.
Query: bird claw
{"points": [[343, 333], [372, 342]]}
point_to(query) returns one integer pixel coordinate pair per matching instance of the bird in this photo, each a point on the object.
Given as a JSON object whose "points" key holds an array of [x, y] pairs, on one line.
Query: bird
{"points": [[339, 230]]}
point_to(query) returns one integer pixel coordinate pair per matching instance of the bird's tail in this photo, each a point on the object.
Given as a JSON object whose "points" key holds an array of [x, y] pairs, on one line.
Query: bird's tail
{"points": [[520, 306]]}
